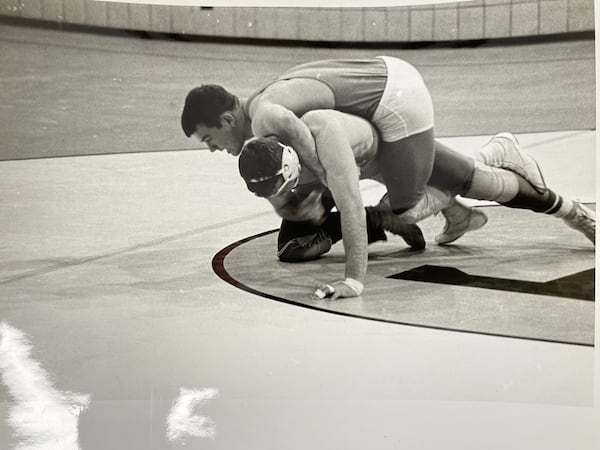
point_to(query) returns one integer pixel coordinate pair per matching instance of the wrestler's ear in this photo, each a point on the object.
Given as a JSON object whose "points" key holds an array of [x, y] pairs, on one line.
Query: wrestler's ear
{"points": [[227, 118]]}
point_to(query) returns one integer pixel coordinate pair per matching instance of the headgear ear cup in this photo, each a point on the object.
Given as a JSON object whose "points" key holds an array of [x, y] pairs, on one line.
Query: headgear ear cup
{"points": [[290, 163]]}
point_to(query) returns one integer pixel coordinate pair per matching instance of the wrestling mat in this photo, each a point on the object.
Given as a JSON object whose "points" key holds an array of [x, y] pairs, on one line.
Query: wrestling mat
{"points": [[523, 275]]}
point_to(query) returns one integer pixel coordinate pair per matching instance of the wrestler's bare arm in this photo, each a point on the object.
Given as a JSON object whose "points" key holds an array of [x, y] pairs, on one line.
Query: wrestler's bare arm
{"points": [[342, 177], [273, 119], [299, 95], [360, 133]]}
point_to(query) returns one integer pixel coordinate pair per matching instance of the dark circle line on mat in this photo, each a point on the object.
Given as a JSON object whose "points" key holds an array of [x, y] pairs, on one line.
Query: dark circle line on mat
{"points": [[218, 265]]}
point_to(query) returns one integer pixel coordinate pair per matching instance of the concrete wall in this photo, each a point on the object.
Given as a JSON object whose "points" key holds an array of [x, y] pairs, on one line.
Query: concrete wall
{"points": [[479, 19]]}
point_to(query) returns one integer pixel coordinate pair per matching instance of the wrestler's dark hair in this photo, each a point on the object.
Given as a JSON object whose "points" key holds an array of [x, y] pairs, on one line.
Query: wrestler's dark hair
{"points": [[260, 158], [204, 106]]}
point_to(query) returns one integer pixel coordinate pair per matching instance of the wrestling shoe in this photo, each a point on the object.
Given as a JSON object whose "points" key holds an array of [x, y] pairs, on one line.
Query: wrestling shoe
{"points": [[305, 248], [503, 151], [412, 235], [459, 220], [583, 220], [387, 220]]}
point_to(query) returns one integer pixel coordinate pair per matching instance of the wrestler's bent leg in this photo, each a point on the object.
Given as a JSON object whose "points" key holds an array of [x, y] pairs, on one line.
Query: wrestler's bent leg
{"points": [[304, 241], [452, 172], [506, 174], [406, 166]]}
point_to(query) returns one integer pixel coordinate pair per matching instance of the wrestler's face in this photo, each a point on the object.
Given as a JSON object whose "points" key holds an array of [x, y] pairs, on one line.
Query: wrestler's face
{"points": [[227, 137]]}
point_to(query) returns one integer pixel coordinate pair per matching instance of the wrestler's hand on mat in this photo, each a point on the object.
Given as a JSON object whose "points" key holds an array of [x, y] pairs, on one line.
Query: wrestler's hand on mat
{"points": [[339, 289]]}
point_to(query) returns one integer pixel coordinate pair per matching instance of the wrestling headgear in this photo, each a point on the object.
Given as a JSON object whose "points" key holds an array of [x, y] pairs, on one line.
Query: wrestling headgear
{"points": [[269, 167]]}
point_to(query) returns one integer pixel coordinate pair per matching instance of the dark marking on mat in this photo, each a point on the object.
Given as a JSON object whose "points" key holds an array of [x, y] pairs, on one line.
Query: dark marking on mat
{"points": [[579, 286], [218, 264]]}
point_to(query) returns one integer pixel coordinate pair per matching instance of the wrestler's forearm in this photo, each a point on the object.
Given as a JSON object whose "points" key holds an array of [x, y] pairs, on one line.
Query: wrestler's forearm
{"points": [[341, 173], [355, 243]]}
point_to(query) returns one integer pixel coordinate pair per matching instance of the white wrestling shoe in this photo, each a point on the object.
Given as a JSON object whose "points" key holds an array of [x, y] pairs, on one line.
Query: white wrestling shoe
{"points": [[503, 151], [459, 220], [583, 220]]}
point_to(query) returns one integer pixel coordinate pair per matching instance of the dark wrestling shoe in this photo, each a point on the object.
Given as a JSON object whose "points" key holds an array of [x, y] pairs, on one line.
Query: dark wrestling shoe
{"points": [[387, 220], [305, 248]]}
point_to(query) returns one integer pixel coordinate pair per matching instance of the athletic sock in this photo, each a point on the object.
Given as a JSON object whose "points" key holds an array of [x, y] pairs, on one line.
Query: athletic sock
{"points": [[550, 203], [547, 203], [512, 190], [490, 183], [562, 207]]}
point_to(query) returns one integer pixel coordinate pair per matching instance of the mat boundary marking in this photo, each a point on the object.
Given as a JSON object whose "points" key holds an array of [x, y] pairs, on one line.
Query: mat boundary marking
{"points": [[218, 266]]}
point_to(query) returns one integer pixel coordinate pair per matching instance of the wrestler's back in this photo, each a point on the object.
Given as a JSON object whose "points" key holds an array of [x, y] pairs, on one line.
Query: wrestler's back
{"points": [[299, 95]]}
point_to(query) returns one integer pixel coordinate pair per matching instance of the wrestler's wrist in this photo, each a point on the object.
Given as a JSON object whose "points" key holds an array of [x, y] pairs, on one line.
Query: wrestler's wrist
{"points": [[355, 285]]}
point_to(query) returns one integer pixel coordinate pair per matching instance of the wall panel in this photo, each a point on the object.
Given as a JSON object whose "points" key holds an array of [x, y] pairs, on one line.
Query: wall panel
{"points": [[75, 11], [497, 21], [266, 23], [525, 19], [139, 17], [581, 16], [30, 8], [421, 24], [553, 17], [287, 24], [53, 10], [471, 20], [96, 13], [321, 24], [439, 22], [352, 27], [244, 23], [398, 27], [160, 18], [118, 15], [223, 19], [374, 25], [445, 23]]}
